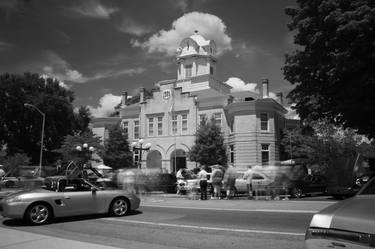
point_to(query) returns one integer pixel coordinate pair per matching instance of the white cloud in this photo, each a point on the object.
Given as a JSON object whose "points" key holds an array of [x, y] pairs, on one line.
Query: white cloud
{"points": [[291, 113], [239, 85], [106, 105], [94, 9], [60, 69], [61, 83], [167, 41], [129, 26]]}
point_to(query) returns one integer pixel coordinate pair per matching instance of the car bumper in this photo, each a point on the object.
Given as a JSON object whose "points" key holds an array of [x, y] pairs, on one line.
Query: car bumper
{"points": [[135, 202], [331, 243], [14, 210]]}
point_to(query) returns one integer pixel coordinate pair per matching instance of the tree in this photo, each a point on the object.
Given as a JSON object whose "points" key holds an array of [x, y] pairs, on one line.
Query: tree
{"points": [[20, 128], [68, 151], [209, 147], [117, 152], [82, 119], [326, 147], [332, 69]]}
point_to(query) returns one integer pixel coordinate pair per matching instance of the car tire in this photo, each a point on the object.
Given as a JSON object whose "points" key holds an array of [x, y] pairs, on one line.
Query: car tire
{"points": [[9, 184], [297, 192], [119, 207], [38, 214]]}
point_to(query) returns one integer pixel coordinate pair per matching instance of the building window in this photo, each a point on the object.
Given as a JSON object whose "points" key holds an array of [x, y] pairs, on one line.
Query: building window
{"points": [[150, 127], [188, 70], [160, 126], [217, 119], [125, 128], [136, 129], [202, 118], [265, 149], [231, 153], [264, 122], [184, 123], [174, 124], [211, 70]]}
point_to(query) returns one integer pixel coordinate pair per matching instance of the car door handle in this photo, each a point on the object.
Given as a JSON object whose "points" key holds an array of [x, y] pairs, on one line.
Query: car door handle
{"points": [[67, 197]]}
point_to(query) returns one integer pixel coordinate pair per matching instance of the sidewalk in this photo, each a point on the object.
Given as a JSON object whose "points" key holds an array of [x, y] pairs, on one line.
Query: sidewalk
{"points": [[15, 239]]}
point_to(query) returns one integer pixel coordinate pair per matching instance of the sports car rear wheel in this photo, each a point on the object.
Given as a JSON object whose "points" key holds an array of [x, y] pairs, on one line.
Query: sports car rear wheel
{"points": [[119, 207], [38, 214]]}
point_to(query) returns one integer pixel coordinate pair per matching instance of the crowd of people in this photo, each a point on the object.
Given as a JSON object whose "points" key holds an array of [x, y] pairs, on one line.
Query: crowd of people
{"points": [[222, 180]]}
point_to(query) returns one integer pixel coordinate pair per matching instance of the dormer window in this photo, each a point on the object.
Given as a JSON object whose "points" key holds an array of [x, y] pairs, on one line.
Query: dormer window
{"points": [[188, 70]]}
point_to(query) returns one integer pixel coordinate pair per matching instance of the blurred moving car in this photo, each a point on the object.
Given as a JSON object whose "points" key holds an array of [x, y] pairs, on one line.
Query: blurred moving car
{"points": [[259, 182], [64, 196], [308, 185], [165, 182], [342, 192], [346, 224], [22, 176]]}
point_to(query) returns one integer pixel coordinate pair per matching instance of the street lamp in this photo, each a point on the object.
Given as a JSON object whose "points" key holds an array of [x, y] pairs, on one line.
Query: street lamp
{"points": [[41, 140], [140, 147]]}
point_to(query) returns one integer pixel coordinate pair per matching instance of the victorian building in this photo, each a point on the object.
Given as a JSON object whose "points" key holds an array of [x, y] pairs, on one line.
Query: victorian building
{"points": [[251, 122]]}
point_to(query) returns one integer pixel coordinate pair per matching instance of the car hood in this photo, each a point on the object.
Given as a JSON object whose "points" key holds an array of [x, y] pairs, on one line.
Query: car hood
{"points": [[354, 214]]}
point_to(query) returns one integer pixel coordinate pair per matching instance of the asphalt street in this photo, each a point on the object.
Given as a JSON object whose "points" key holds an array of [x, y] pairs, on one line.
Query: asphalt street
{"points": [[164, 222]]}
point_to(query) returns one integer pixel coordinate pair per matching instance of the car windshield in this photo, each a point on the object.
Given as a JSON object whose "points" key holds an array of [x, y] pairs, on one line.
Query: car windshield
{"points": [[369, 189]]}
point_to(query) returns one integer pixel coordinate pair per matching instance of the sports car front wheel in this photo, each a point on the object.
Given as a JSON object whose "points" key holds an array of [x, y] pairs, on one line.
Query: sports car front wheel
{"points": [[119, 207], [38, 214]]}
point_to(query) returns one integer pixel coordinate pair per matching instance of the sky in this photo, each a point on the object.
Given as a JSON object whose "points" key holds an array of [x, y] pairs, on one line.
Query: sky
{"points": [[98, 49]]}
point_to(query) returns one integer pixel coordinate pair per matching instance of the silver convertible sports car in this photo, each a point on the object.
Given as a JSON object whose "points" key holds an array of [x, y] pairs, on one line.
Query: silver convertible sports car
{"points": [[62, 196], [346, 224]]}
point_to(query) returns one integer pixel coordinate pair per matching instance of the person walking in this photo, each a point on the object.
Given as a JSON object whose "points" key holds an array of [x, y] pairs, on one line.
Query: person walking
{"points": [[230, 181], [202, 176], [217, 179], [248, 176]]}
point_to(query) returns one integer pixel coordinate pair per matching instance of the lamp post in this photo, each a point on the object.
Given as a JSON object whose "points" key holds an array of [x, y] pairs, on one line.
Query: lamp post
{"points": [[140, 147], [42, 138], [86, 151]]}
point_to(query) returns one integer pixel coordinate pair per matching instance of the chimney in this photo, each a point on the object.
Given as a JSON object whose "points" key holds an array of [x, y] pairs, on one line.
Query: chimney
{"points": [[124, 97], [142, 95], [280, 98], [265, 91]]}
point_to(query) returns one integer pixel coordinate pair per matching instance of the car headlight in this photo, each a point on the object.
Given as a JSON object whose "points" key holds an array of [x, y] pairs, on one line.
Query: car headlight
{"points": [[13, 199]]}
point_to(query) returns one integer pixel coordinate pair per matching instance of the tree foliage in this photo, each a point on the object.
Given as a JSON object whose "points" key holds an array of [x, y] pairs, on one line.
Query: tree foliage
{"points": [[82, 119], [333, 66], [68, 151], [209, 147], [20, 128], [321, 144], [117, 152]]}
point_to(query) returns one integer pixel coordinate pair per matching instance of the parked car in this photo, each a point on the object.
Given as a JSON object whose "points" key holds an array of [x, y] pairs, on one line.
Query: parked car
{"points": [[63, 196], [346, 224], [342, 192], [308, 185]]}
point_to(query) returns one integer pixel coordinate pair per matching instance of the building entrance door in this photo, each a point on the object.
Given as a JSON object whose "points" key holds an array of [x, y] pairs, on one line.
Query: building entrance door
{"points": [[154, 160], [178, 160]]}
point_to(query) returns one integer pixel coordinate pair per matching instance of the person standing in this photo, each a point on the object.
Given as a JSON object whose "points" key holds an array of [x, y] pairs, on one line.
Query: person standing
{"points": [[202, 176], [248, 176]]}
